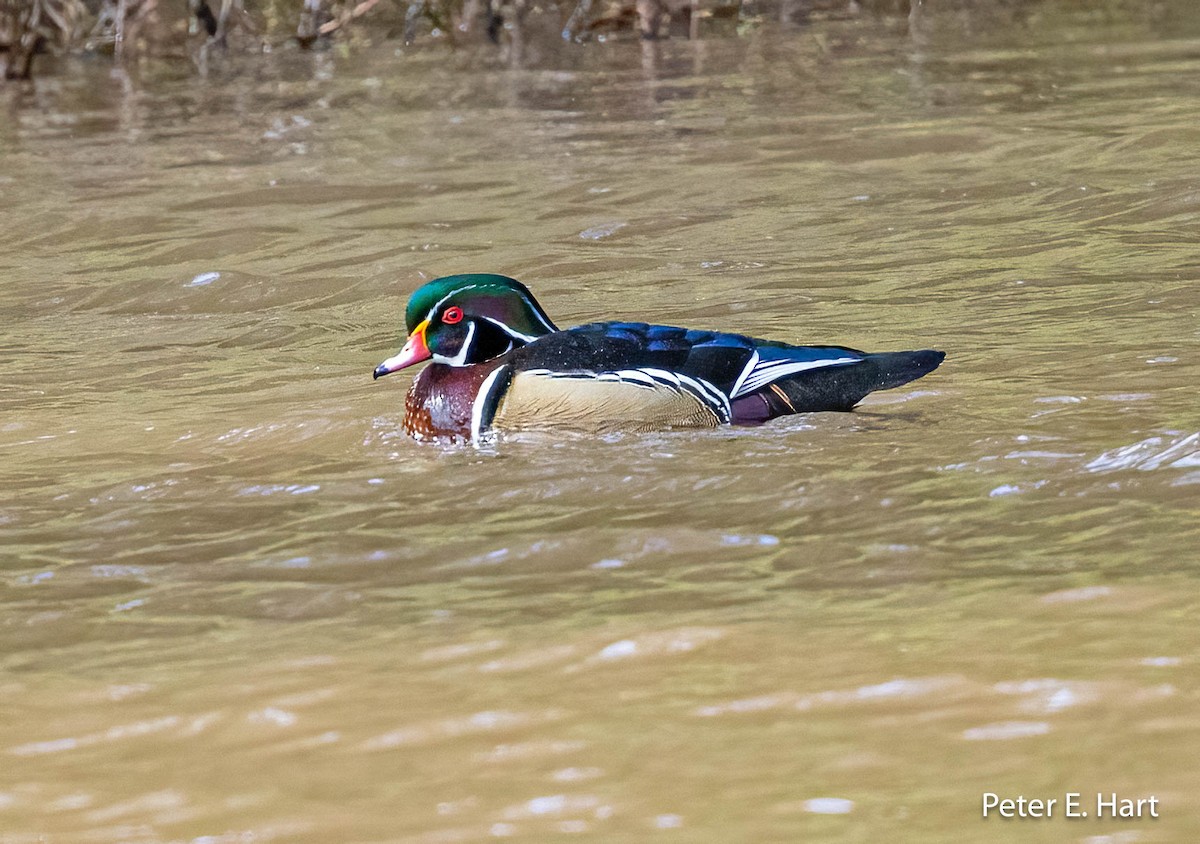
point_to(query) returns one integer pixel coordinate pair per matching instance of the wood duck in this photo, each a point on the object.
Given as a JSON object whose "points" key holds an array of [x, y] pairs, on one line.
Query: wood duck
{"points": [[500, 364]]}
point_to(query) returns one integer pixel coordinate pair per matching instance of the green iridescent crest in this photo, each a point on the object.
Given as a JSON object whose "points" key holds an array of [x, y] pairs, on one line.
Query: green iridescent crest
{"points": [[498, 298]]}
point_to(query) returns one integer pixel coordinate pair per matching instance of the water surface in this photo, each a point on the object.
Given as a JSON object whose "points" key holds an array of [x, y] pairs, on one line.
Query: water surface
{"points": [[237, 604]]}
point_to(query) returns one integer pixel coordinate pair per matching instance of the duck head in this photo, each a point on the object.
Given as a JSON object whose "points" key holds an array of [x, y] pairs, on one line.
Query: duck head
{"points": [[461, 320]]}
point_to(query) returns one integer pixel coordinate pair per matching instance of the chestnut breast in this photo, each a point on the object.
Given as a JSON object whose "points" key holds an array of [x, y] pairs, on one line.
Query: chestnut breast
{"points": [[440, 400]]}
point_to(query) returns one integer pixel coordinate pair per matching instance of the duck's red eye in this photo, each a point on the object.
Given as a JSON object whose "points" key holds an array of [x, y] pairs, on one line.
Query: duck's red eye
{"points": [[452, 315]]}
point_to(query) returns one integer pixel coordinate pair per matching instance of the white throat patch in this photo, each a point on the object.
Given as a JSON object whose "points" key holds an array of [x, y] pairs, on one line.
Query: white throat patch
{"points": [[460, 359]]}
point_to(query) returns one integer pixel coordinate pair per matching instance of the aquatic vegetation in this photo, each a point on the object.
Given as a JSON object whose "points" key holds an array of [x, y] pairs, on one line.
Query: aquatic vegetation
{"points": [[30, 28]]}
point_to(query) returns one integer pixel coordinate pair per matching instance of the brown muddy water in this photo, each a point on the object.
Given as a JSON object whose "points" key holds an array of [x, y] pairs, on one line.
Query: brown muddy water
{"points": [[236, 604]]}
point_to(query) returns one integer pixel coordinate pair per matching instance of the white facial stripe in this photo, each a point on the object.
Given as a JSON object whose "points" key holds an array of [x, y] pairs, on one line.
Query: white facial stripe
{"points": [[442, 301], [461, 358], [510, 331], [537, 312]]}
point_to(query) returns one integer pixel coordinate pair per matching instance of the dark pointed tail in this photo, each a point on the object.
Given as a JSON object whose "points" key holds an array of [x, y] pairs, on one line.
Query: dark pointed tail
{"points": [[892, 369], [842, 387]]}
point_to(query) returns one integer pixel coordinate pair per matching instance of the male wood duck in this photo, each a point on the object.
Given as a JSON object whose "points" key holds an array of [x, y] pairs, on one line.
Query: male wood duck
{"points": [[500, 364]]}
